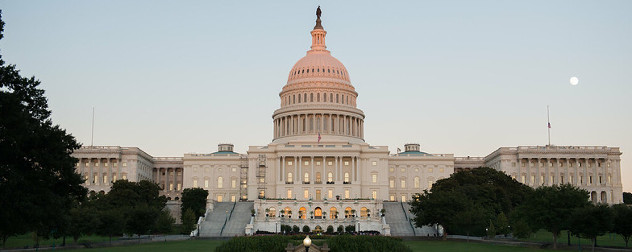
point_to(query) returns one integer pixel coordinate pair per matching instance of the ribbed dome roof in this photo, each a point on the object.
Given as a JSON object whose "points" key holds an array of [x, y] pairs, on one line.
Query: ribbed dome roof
{"points": [[319, 64]]}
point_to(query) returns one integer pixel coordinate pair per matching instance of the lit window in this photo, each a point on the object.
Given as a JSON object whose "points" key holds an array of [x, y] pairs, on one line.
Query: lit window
{"points": [[374, 163], [329, 163], [403, 183], [330, 193], [306, 162], [233, 183], [346, 177], [391, 169], [374, 178], [124, 164], [430, 170], [206, 183], [306, 179], [306, 193], [441, 170], [416, 182], [403, 170], [391, 183], [346, 193], [289, 162], [220, 182], [330, 177], [289, 193], [403, 198], [318, 163], [430, 182], [289, 177], [195, 183], [346, 162], [374, 194], [220, 198], [392, 197]]}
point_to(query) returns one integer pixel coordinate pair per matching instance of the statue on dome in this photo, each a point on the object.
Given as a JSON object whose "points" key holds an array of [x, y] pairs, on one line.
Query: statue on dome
{"points": [[318, 12]]}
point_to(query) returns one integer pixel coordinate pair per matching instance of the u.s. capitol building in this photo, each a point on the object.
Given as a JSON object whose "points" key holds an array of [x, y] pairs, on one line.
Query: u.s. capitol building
{"points": [[319, 171]]}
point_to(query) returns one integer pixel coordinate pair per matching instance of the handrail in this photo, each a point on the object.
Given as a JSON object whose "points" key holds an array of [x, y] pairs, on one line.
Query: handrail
{"points": [[228, 218], [408, 219], [231, 211]]}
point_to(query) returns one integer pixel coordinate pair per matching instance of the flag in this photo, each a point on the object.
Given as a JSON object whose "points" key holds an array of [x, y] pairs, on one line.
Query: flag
{"points": [[319, 137], [549, 125]]}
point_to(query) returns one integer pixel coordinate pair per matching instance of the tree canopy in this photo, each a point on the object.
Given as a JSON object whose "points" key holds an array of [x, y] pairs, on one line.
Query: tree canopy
{"points": [[465, 202], [37, 172], [623, 221], [550, 208], [591, 221], [194, 199], [627, 197]]}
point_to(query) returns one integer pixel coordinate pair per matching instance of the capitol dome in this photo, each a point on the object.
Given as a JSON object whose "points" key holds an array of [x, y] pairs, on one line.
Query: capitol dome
{"points": [[318, 102]]}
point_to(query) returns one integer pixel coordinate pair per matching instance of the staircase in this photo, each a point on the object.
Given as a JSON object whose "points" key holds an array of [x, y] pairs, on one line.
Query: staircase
{"points": [[227, 219], [237, 223], [396, 219], [422, 231]]}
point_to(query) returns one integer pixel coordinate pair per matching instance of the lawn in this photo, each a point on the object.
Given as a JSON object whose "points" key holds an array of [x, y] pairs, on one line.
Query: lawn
{"points": [[210, 245], [24, 240], [604, 240]]}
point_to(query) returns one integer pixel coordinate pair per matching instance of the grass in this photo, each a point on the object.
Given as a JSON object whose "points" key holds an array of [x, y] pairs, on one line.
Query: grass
{"points": [[612, 240], [24, 240], [210, 245], [438, 246]]}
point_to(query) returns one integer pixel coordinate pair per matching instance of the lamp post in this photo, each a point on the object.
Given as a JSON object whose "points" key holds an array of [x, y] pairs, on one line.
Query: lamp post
{"points": [[307, 242]]}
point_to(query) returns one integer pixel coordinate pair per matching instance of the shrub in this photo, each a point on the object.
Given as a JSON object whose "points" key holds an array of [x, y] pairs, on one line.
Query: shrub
{"points": [[330, 229], [295, 229], [366, 243], [255, 243], [305, 229], [340, 229], [350, 229]]}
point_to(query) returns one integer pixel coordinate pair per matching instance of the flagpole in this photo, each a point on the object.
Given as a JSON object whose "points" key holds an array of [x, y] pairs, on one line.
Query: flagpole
{"points": [[548, 120], [92, 135]]}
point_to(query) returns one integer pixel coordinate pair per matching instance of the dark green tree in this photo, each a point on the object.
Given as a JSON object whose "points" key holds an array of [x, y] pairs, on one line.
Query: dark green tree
{"points": [[466, 201], [627, 197], [502, 224], [142, 219], [306, 229], [188, 221], [164, 224], [295, 229], [550, 207], [194, 199], [623, 221], [83, 220], [340, 229], [111, 222], [38, 182], [330, 229], [591, 221]]}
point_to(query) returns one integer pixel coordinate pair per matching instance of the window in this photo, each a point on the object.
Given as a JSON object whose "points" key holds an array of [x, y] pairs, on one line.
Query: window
{"points": [[289, 177], [416, 182], [306, 193], [374, 163], [346, 162], [441, 170], [306, 162], [206, 183], [233, 183], [317, 162], [392, 197], [329, 163], [105, 179], [124, 176], [289, 193], [532, 180], [124, 164], [374, 178], [289, 162], [232, 198], [220, 182], [170, 186], [374, 194], [522, 179], [403, 170], [262, 194], [306, 179], [346, 193], [220, 198], [391, 169], [429, 170], [430, 182], [330, 194], [195, 183], [403, 198], [391, 183], [346, 177], [403, 183], [330, 177]]}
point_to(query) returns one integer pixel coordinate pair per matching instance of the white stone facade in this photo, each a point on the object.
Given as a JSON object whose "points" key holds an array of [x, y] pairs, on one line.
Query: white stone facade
{"points": [[318, 155]]}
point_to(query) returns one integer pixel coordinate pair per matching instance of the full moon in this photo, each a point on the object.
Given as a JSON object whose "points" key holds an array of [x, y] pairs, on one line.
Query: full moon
{"points": [[574, 80]]}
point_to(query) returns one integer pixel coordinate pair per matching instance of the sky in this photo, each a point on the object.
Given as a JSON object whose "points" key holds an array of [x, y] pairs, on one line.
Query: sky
{"points": [[461, 77]]}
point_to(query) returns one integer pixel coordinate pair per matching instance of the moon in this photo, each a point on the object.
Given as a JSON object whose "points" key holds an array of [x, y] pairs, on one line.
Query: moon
{"points": [[574, 80]]}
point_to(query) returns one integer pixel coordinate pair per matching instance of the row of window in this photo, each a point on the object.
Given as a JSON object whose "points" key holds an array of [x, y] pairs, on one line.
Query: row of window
{"points": [[317, 70], [402, 183], [430, 170], [103, 179], [220, 182], [318, 194], [330, 177], [552, 179], [318, 97]]}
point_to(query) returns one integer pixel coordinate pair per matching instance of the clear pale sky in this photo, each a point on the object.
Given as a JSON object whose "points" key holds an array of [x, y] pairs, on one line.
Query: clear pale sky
{"points": [[462, 77]]}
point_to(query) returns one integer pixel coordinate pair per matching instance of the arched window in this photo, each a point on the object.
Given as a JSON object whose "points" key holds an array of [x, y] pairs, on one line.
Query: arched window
{"points": [[311, 97], [302, 213], [305, 97], [287, 211], [330, 177], [346, 177], [331, 97], [220, 182], [333, 212], [272, 212], [348, 212], [289, 177], [416, 182], [364, 212], [318, 213]]}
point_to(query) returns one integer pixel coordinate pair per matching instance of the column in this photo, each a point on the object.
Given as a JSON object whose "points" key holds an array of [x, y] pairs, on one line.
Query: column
{"points": [[336, 177], [110, 164], [280, 169], [353, 172], [312, 176], [298, 170], [323, 175], [100, 174]]}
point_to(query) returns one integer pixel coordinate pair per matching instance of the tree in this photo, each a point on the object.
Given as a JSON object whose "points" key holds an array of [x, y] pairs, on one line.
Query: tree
{"points": [[112, 222], [550, 207], [306, 229], [330, 229], [627, 197], [188, 221], [295, 229], [466, 201], [340, 229], [502, 223], [194, 199], [623, 221], [83, 220], [591, 221], [141, 220], [37, 172], [165, 222]]}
